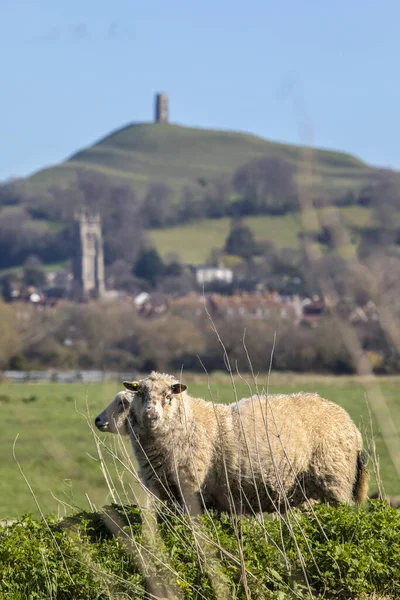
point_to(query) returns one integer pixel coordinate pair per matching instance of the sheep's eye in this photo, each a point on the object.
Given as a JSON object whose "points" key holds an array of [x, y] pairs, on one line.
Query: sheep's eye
{"points": [[178, 388]]}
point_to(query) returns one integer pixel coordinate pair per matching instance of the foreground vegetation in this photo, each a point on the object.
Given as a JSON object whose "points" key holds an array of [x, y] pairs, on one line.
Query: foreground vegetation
{"points": [[328, 553], [53, 463], [44, 428]]}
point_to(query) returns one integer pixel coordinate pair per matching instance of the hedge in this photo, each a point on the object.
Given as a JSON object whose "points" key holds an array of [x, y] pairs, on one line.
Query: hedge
{"points": [[122, 552]]}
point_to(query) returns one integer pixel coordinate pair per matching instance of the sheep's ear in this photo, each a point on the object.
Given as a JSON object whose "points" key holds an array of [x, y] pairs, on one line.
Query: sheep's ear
{"points": [[132, 386], [178, 388]]}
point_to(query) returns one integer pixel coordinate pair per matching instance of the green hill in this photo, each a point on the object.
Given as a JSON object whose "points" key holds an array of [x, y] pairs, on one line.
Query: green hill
{"points": [[141, 153], [177, 155]]}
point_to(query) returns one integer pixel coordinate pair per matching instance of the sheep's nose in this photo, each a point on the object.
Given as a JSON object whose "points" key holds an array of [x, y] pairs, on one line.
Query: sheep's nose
{"points": [[152, 413], [97, 422]]}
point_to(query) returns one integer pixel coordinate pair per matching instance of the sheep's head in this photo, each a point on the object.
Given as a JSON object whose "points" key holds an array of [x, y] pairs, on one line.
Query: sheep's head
{"points": [[156, 400], [113, 419]]}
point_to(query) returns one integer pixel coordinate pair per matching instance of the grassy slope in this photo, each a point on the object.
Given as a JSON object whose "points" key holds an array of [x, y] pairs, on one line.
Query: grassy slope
{"points": [[178, 155], [139, 153], [194, 241], [57, 451]]}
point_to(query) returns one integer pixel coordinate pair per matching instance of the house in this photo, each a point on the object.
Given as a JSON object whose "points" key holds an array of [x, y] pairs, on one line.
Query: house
{"points": [[206, 274]]}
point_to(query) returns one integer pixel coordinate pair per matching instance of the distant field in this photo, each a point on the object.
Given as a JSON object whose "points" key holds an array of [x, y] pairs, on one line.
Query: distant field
{"points": [[60, 266], [194, 241], [57, 452]]}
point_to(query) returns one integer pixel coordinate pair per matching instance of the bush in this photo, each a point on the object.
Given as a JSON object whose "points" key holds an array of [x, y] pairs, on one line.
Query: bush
{"points": [[342, 553], [18, 363], [240, 241], [149, 265]]}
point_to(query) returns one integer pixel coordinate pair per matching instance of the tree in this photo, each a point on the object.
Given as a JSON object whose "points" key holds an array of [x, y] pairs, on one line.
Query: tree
{"points": [[157, 205], [265, 185], [122, 225], [6, 289], [34, 273], [118, 206], [383, 233], [386, 204], [240, 241], [173, 269], [149, 265], [21, 234], [13, 192], [169, 343], [216, 198], [18, 236], [192, 204], [8, 334]]}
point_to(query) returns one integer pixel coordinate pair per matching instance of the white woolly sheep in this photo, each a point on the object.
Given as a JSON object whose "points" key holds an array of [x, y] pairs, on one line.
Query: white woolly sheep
{"points": [[113, 418], [258, 454]]}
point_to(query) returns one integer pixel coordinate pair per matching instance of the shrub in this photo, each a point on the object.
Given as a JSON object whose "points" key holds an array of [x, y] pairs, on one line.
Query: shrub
{"points": [[149, 265], [240, 241], [342, 553]]}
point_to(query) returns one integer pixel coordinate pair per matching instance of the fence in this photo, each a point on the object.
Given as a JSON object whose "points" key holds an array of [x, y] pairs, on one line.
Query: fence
{"points": [[55, 375]]}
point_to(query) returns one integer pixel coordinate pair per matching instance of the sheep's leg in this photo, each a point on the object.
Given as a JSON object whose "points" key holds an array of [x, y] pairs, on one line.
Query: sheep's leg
{"points": [[333, 475], [337, 491]]}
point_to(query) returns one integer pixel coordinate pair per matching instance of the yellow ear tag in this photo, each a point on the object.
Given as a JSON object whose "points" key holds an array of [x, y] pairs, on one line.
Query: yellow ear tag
{"points": [[132, 386]]}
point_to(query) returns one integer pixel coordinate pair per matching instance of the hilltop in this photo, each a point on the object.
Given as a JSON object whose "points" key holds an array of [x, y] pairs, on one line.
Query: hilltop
{"points": [[189, 161], [143, 152]]}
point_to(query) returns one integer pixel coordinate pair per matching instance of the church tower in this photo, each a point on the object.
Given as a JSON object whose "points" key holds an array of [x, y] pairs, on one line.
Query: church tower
{"points": [[88, 264]]}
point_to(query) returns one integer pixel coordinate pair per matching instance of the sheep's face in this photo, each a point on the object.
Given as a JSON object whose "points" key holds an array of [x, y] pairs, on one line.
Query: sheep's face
{"points": [[113, 419], [156, 400]]}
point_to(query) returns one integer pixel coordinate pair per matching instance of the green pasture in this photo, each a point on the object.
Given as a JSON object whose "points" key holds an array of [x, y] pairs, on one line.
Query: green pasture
{"points": [[44, 425], [194, 241]]}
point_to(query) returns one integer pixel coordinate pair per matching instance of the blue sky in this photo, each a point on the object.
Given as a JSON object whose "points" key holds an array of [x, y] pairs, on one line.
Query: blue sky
{"points": [[325, 73]]}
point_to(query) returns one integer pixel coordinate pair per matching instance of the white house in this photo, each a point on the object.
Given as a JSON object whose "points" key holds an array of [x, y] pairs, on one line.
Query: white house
{"points": [[208, 274]]}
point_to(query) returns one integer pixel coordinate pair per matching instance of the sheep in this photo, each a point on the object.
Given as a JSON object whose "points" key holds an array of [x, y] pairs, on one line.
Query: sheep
{"points": [[261, 454], [113, 418]]}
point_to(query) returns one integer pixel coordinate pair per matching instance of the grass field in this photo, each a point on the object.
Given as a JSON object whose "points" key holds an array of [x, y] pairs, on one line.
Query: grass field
{"points": [[57, 452], [194, 241], [177, 155]]}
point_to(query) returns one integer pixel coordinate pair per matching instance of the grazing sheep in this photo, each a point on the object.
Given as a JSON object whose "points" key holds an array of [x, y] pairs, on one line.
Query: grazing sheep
{"points": [[259, 454], [113, 418]]}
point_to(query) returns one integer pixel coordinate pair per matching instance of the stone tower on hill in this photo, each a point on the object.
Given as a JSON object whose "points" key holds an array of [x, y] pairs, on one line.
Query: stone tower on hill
{"points": [[88, 264], [161, 112]]}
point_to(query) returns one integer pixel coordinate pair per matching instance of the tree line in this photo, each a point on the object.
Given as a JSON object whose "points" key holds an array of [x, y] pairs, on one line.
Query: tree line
{"points": [[262, 186], [69, 337], [40, 229]]}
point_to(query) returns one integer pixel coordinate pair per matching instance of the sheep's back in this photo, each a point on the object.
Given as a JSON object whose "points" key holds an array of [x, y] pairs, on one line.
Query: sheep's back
{"points": [[289, 435], [300, 417]]}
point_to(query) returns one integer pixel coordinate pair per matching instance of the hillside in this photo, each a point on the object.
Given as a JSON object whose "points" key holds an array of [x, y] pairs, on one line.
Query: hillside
{"points": [[199, 238], [177, 155], [140, 154]]}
